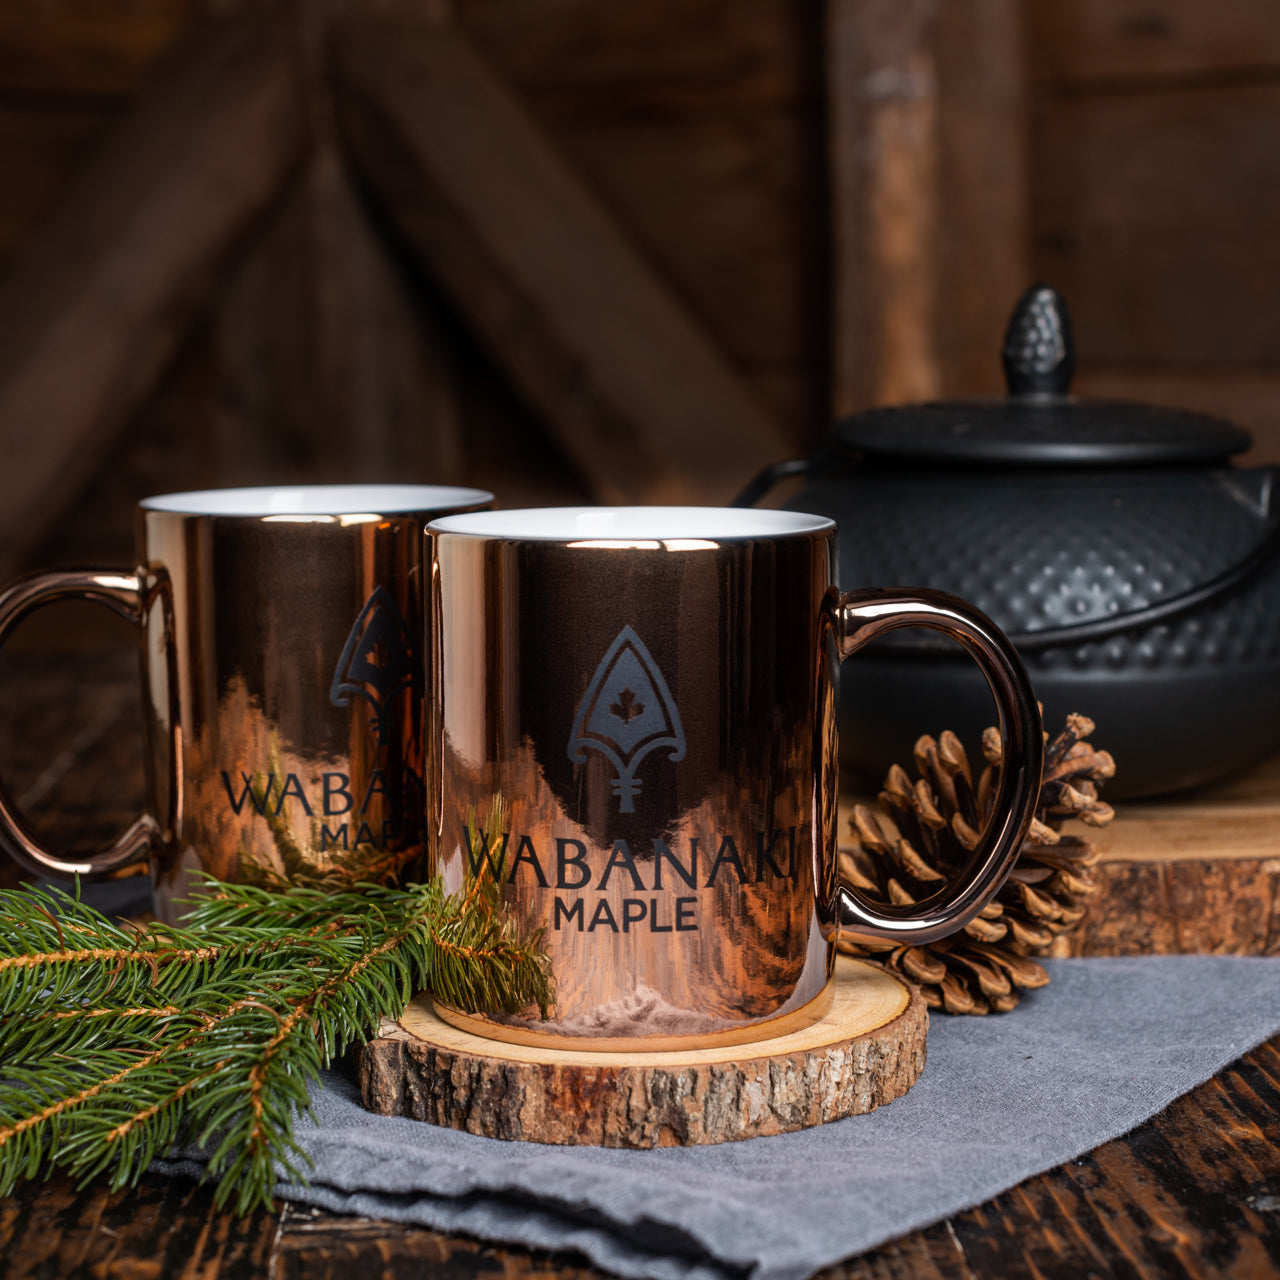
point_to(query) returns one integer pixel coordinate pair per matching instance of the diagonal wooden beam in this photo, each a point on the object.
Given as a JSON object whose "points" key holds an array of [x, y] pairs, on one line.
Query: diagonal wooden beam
{"points": [[633, 387], [97, 304], [327, 364]]}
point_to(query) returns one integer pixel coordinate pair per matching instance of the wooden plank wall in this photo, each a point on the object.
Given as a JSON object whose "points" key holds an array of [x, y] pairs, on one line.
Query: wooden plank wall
{"points": [[1155, 180], [1125, 150], [700, 124], [697, 122], [68, 73], [929, 210]]}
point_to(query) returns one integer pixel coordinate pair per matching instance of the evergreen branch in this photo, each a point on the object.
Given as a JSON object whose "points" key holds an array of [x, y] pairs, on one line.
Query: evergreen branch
{"points": [[117, 1043], [36, 974], [148, 1113], [42, 958], [84, 1014]]}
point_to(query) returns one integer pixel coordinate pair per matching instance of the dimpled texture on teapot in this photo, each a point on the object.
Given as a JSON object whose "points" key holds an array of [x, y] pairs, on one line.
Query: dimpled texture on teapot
{"points": [[1040, 550]]}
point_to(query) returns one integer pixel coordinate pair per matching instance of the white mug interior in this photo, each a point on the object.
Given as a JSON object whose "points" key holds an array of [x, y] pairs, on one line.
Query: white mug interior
{"points": [[335, 501], [594, 525]]}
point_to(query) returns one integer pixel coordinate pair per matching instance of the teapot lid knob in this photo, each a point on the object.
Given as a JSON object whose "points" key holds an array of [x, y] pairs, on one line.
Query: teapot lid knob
{"points": [[1039, 423], [1039, 354]]}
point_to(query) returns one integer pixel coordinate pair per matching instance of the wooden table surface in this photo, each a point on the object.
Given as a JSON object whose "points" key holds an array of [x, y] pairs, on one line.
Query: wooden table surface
{"points": [[1195, 1192]]}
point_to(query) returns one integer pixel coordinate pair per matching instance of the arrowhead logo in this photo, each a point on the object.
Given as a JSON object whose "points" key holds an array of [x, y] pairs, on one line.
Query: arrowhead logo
{"points": [[626, 712], [376, 662]]}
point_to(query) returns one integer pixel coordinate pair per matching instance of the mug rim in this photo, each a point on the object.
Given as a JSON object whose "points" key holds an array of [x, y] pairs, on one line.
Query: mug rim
{"points": [[592, 526], [333, 500]]}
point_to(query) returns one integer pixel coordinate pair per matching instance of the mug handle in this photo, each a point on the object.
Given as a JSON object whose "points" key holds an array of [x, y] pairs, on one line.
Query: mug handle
{"points": [[862, 616], [123, 594]]}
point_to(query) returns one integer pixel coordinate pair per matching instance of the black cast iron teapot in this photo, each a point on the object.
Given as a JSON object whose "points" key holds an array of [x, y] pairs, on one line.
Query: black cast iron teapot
{"points": [[1136, 570]]}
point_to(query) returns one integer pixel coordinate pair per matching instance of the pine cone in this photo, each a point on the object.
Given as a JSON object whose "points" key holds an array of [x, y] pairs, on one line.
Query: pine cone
{"points": [[921, 836]]}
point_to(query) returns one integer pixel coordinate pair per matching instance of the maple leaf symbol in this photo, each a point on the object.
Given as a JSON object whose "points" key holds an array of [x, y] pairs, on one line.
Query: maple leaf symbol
{"points": [[627, 708]]}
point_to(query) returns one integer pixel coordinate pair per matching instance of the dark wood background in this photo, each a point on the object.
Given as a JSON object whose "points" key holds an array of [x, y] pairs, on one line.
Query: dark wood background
{"points": [[839, 202]]}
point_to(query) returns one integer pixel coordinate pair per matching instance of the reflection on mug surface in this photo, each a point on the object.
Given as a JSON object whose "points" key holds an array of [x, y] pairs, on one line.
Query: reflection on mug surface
{"points": [[283, 674], [645, 699]]}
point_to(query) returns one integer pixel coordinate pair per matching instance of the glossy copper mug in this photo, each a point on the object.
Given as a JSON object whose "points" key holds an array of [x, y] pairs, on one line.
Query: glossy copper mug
{"points": [[633, 729], [282, 679]]}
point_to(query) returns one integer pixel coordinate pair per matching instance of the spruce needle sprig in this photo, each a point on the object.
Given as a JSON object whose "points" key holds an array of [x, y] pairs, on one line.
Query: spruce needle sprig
{"points": [[118, 1043]]}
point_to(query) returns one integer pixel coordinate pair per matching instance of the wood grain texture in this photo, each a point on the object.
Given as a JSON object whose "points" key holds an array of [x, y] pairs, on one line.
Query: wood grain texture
{"points": [[1192, 873], [1163, 908], [882, 79], [1194, 1192], [1236, 818], [1248, 396], [699, 123], [634, 388], [79, 779], [322, 358], [984, 227], [868, 1050], [40, 153], [706, 148], [1088, 41], [314, 1245], [107, 287], [318, 360], [726, 207], [930, 210], [167, 1228], [83, 48], [1155, 214], [1176, 1199], [636, 59], [1155, 187]]}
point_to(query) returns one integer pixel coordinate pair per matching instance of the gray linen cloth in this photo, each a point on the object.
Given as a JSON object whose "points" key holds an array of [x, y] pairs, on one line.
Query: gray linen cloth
{"points": [[1107, 1045]]}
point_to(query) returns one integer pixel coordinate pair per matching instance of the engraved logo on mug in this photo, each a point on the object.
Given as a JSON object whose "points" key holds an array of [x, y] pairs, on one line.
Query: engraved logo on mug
{"points": [[626, 712], [376, 662]]}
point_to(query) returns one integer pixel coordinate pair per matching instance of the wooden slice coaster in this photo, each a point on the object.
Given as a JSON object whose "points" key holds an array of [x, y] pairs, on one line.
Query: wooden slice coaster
{"points": [[867, 1050]]}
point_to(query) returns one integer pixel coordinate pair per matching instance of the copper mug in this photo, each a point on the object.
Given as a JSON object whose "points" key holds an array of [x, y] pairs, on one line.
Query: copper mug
{"points": [[282, 679], [633, 730]]}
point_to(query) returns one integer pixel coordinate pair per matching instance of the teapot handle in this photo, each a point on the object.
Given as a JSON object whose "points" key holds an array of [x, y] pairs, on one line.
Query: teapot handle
{"points": [[769, 477]]}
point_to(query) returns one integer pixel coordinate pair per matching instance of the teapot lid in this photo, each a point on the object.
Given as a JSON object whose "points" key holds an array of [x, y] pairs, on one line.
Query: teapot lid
{"points": [[1038, 423]]}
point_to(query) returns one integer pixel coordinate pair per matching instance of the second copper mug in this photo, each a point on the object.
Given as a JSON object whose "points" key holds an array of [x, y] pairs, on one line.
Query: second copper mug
{"points": [[632, 728], [282, 679]]}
